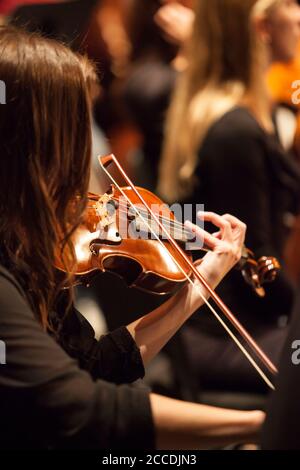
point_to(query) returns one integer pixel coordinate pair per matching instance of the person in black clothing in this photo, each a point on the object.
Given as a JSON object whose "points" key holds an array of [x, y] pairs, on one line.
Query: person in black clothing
{"points": [[222, 149], [280, 431], [146, 101], [260, 185], [60, 387]]}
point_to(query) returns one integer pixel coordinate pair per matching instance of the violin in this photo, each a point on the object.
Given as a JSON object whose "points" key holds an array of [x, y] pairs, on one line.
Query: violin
{"points": [[130, 232], [117, 237]]}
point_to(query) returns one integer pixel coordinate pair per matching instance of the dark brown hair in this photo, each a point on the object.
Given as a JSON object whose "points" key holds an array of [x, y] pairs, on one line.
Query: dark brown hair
{"points": [[45, 148], [145, 36]]}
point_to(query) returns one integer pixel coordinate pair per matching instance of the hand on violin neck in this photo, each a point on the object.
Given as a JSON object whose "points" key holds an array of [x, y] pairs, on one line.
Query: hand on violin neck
{"points": [[226, 245]]}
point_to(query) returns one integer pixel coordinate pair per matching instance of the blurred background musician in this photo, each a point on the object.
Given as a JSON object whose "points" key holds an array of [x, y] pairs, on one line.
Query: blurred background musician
{"points": [[151, 78], [222, 149]]}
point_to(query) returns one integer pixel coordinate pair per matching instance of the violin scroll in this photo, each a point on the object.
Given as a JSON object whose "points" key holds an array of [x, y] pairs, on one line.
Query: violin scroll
{"points": [[257, 273], [268, 268]]}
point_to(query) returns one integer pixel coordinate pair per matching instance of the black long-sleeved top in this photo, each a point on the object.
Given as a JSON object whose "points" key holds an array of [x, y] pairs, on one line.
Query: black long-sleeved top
{"points": [[48, 400], [244, 171]]}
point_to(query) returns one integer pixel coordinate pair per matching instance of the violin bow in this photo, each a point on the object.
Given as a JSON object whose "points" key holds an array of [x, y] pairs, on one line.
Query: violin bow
{"points": [[105, 161]]}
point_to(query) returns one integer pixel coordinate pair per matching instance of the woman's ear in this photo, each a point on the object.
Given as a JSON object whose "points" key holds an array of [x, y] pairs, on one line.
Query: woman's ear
{"points": [[262, 29]]}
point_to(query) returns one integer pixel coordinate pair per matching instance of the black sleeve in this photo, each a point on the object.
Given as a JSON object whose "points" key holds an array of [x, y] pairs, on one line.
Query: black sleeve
{"points": [[47, 401], [235, 166], [115, 357], [281, 428]]}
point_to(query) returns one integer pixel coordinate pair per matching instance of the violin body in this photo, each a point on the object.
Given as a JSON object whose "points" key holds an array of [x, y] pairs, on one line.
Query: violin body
{"points": [[109, 240]]}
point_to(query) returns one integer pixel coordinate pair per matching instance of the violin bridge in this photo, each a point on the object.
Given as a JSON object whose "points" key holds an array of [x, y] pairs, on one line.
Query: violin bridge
{"points": [[107, 225]]}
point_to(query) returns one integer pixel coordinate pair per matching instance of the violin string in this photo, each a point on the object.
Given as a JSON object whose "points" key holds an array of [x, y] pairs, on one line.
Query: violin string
{"points": [[198, 288], [161, 217], [145, 212], [180, 227], [174, 225]]}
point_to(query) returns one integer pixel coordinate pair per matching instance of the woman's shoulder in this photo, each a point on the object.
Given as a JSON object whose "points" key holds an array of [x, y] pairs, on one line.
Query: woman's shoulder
{"points": [[234, 139], [11, 293], [237, 123], [7, 279]]}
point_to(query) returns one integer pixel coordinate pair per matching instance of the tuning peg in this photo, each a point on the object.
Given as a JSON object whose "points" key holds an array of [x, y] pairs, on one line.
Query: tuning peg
{"points": [[268, 268]]}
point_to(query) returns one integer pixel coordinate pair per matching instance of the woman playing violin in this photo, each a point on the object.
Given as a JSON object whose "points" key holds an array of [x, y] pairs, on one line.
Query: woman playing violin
{"points": [[60, 387]]}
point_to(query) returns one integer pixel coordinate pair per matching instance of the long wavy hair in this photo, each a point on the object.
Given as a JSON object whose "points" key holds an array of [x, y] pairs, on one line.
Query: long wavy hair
{"points": [[226, 66], [45, 151]]}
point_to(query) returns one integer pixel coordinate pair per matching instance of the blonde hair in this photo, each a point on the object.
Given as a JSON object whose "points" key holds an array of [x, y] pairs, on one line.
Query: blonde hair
{"points": [[226, 65]]}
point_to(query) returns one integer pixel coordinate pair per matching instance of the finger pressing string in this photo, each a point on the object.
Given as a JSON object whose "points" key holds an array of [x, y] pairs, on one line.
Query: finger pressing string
{"points": [[202, 235]]}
